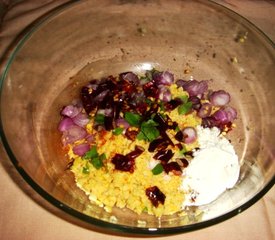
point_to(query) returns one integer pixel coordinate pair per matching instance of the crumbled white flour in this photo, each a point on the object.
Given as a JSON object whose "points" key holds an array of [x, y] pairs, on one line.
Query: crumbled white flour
{"points": [[210, 137], [214, 168]]}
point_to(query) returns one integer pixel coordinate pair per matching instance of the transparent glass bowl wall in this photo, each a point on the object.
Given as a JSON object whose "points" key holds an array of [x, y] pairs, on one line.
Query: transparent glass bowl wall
{"points": [[92, 39]]}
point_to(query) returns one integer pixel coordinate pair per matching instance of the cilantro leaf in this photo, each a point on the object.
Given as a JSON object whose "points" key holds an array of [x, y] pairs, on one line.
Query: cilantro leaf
{"points": [[158, 169], [86, 169], [185, 108], [94, 158], [118, 131], [91, 153], [102, 156], [99, 118], [184, 98], [183, 150], [133, 119], [97, 162], [161, 106], [148, 130], [141, 136]]}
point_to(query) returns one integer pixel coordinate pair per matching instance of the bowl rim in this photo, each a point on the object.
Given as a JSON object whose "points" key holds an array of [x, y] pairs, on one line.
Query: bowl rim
{"points": [[6, 62]]}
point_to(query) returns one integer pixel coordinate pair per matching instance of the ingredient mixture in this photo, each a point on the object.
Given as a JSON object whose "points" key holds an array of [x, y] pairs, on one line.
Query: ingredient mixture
{"points": [[150, 143]]}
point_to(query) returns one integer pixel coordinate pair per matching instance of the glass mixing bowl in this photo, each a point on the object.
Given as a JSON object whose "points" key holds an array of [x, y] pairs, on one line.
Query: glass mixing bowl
{"points": [[81, 40]]}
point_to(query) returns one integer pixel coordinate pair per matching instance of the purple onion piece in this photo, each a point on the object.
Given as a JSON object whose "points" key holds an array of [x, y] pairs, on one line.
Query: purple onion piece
{"points": [[164, 94], [90, 138], [220, 116], [225, 115], [196, 102], [109, 112], [65, 124], [163, 78], [219, 98], [181, 82], [205, 110], [81, 149], [73, 134], [130, 76], [231, 113], [194, 87], [189, 135], [70, 111], [100, 97], [121, 122], [81, 119]]}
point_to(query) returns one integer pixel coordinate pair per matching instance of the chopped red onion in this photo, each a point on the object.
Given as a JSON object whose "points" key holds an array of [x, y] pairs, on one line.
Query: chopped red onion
{"points": [[101, 96], [220, 116], [81, 119], [109, 112], [193, 87], [231, 113], [121, 122], [163, 78], [74, 133], [225, 115], [181, 82], [70, 111], [205, 110], [189, 135], [219, 98], [90, 138], [81, 149], [65, 124], [196, 102], [130, 76], [164, 94]]}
